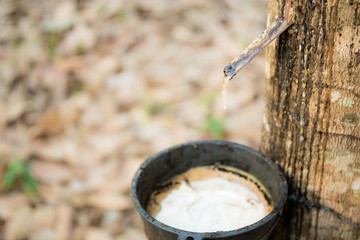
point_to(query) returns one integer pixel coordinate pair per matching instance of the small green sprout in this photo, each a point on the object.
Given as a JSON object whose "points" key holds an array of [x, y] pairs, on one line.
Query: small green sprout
{"points": [[215, 126], [18, 174]]}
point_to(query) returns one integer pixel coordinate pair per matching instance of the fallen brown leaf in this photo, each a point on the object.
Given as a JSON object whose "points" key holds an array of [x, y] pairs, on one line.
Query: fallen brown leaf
{"points": [[96, 234], [10, 203], [27, 221], [64, 214], [49, 172], [108, 201]]}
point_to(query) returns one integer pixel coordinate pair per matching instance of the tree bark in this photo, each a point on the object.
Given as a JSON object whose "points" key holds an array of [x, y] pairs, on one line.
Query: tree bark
{"points": [[311, 125]]}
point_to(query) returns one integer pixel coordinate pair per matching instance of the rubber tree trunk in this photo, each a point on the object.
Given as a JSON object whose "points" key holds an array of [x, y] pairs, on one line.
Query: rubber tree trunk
{"points": [[311, 125]]}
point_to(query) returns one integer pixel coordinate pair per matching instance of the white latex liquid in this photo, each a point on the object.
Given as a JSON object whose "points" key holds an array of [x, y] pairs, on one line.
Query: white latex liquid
{"points": [[226, 81], [211, 205]]}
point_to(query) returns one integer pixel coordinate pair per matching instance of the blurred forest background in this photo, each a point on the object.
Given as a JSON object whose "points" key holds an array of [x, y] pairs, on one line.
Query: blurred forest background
{"points": [[90, 89]]}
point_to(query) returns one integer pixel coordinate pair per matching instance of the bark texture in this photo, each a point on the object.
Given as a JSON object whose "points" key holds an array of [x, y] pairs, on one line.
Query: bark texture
{"points": [[311, 125]]}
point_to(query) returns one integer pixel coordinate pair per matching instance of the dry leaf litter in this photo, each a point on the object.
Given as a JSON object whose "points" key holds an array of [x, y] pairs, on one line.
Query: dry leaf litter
{"points": [[90, 89]]}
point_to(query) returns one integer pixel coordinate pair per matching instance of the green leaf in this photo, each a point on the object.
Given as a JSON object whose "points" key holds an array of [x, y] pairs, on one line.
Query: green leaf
{"points": [[216, 127], [18, 173], [9, 180], [14, 171], [28, 188]]}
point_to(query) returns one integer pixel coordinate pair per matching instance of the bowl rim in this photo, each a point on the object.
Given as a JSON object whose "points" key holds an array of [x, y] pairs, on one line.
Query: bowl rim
{"points": [[277, 210]]}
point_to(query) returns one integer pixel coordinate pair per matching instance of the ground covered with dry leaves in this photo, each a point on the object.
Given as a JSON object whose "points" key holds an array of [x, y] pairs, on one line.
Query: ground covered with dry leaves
{"points": [[90, 89]]}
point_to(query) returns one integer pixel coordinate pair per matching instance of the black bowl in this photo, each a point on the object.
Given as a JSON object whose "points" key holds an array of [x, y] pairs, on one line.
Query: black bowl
{"points": [[162, 166]]}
